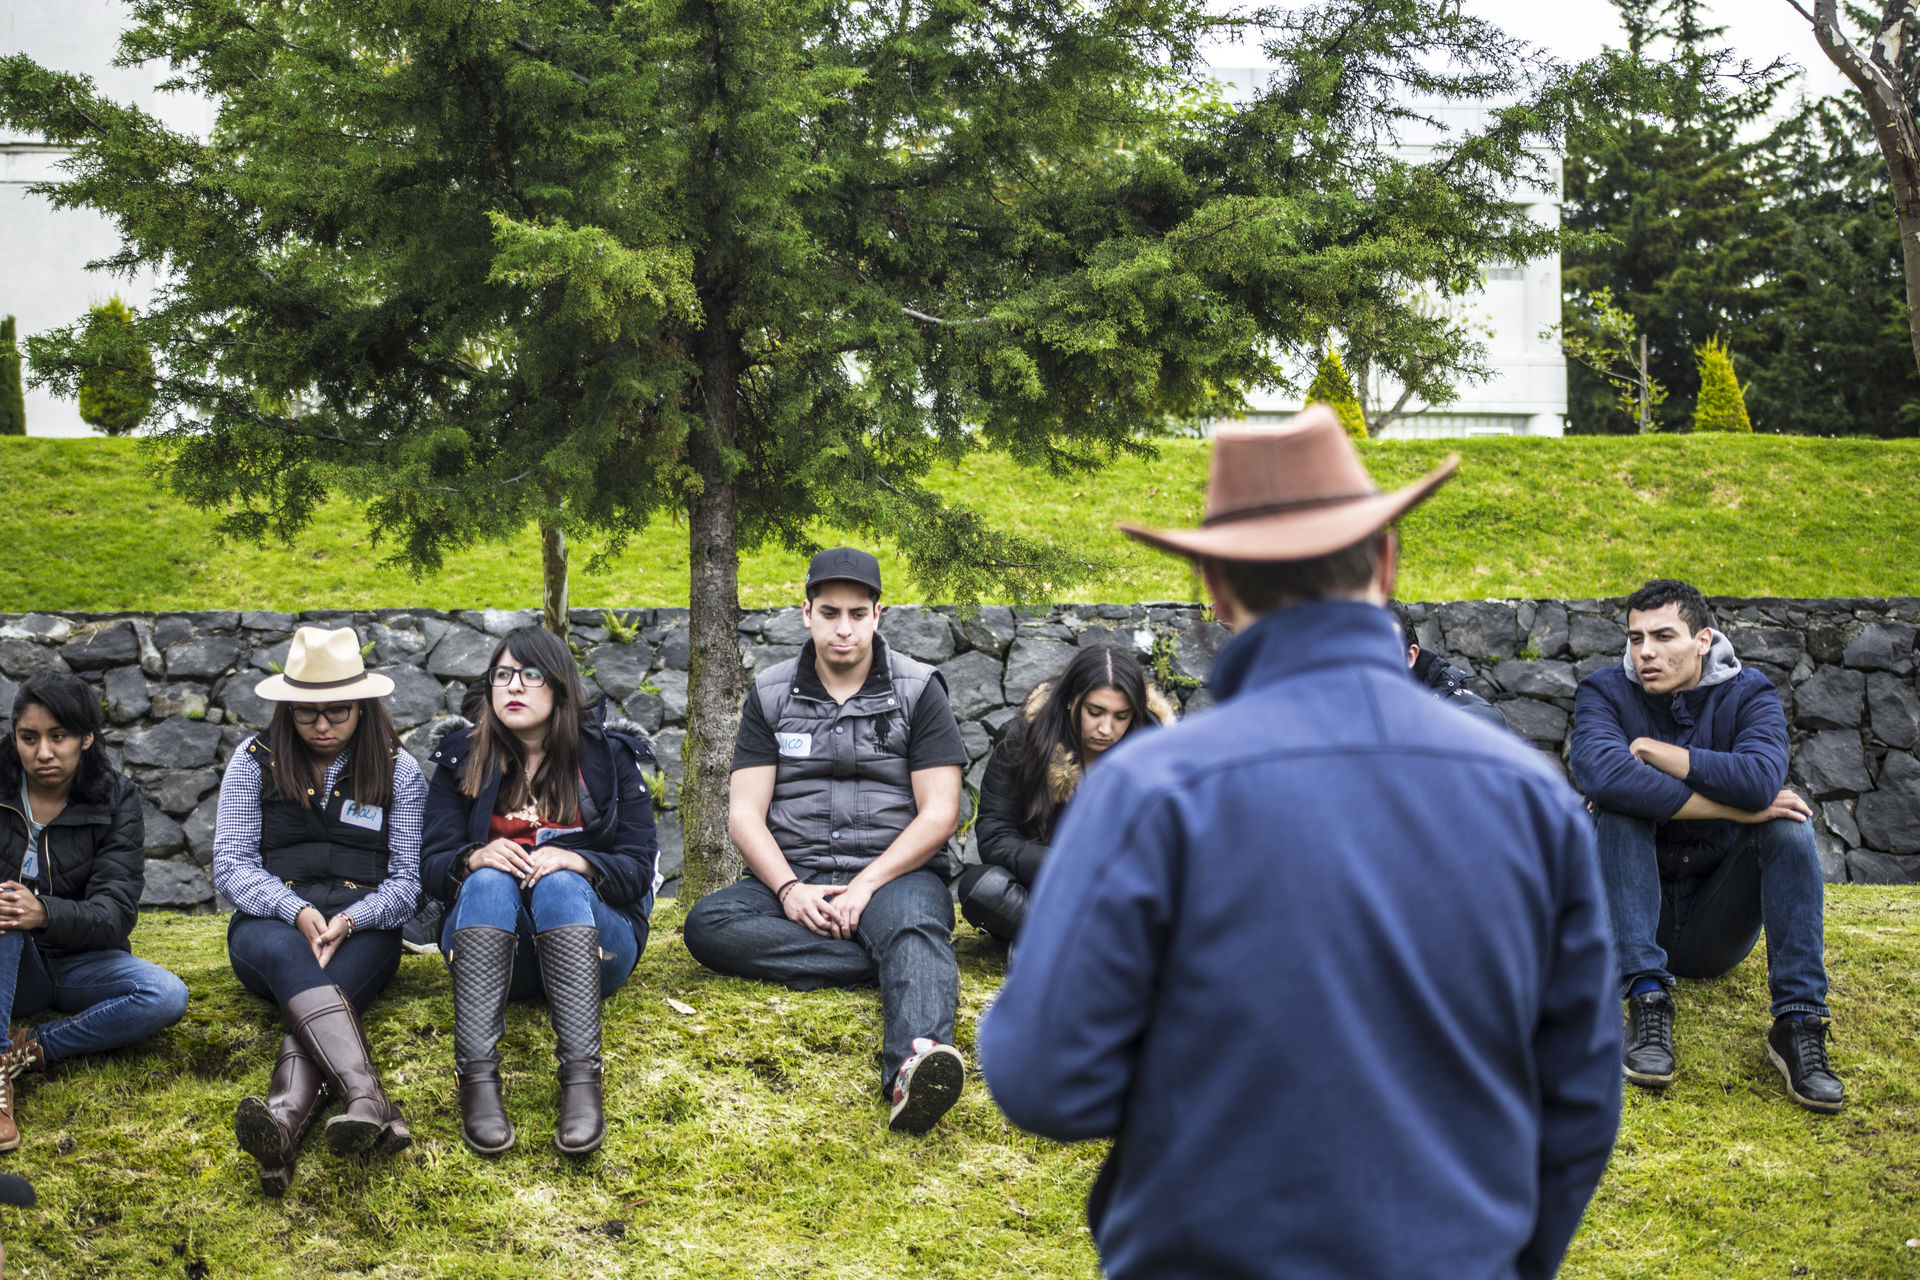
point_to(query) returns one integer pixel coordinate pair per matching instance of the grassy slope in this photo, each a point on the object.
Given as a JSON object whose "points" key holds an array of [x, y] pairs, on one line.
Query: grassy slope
{"points": [[1764, 515], [748, 1140]]}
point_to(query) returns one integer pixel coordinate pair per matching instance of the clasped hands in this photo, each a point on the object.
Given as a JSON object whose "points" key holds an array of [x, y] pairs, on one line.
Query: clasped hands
{"points": [[528, 866], [830, 910], [322, 934], [20, 907]]}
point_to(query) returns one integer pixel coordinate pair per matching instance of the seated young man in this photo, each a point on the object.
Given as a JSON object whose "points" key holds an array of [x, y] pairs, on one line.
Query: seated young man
{"points": [[1432, 672], [845, 789], [1682, 753]]}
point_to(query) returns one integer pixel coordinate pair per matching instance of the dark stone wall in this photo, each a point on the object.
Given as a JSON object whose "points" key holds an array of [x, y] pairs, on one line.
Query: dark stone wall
{"points": [[178, 689]]}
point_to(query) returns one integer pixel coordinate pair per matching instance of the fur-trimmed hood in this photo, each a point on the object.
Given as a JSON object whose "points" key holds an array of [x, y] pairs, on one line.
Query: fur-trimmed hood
{"points": [[1064, 769]]}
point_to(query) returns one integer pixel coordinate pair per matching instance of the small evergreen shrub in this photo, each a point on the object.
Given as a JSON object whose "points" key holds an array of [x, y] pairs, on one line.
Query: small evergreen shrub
{"points": [[1722, 406], [1331, 385], [117, 392], [13, 396]]}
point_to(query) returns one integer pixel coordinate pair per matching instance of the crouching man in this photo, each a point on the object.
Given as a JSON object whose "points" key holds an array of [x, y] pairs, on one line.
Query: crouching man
{"points": [[845, 789], [1682, 753]]}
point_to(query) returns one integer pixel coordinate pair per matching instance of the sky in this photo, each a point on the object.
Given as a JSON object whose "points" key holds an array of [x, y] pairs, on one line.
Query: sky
{"points": [[1575, 29]]}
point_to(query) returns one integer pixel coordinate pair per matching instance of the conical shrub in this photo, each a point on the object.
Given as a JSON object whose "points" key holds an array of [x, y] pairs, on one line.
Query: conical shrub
{"points": [[1331, 385], [1722, 406], [13, 396], [117, 392]]}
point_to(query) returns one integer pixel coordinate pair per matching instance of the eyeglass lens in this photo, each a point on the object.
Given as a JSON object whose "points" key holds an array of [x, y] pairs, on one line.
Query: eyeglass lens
{"points": [[338, 713], [531, 677]]}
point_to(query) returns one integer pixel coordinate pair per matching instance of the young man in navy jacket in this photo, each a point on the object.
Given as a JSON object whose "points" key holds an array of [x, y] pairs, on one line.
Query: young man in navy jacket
{"points": [[1682, 753], [1328, 962]]}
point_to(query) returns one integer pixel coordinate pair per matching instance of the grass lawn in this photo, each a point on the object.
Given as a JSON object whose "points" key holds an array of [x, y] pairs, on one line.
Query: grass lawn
{"points": [[748, 1139], [1764, 515]]}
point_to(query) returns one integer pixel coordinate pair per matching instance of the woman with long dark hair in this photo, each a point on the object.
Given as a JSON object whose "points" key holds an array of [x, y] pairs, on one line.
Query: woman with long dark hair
{"points": [[318, 845], [540, 840], [1065, 726], [73, 854]]}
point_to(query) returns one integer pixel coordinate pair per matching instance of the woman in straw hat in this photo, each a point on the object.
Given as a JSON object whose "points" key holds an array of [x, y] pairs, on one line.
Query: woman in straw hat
{"points": [[318, 846], [540, 840]]}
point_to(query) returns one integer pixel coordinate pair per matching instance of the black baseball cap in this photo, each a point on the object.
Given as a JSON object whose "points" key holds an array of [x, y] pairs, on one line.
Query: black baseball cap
{"points": [[843, 564]]}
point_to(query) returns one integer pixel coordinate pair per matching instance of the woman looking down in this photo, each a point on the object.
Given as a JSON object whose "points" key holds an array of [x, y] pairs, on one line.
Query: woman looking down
{"points": [[318, 845], [1065, 726]]}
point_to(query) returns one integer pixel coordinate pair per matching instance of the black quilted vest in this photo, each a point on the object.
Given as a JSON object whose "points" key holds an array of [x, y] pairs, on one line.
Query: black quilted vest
{"points": [[330, 862]]}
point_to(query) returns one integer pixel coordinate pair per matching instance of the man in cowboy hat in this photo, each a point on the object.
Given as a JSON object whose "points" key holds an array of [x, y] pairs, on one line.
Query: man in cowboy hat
{"points": [[1329, 963]]}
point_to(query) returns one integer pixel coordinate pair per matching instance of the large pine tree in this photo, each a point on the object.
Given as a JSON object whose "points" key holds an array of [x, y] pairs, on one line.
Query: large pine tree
{"points": [[759, 264], [1682, 205]]}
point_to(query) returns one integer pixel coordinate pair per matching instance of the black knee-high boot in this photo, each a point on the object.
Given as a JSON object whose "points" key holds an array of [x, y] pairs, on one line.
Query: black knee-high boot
{"points": [[570, 972], [481, 958]]}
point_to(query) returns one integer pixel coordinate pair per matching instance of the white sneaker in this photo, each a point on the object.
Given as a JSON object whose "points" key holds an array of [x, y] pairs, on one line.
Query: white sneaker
{"points": [[928, 1084]]}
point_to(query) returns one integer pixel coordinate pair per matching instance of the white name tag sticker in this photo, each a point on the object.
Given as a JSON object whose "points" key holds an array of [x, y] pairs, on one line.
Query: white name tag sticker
{"points": [[369, 816], [795, 745]]}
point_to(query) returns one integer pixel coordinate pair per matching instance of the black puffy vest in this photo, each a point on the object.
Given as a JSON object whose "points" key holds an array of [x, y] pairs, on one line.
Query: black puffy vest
{"points": [[843, 791], [329, 861]]}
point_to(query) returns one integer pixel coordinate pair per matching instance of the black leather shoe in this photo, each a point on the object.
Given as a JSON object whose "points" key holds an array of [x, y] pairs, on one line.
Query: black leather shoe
{"points": [[1798, 1047], [1649, 1059]]}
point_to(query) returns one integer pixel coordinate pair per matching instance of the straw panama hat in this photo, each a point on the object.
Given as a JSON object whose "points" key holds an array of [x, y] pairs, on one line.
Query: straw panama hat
{"points": [[324, 666], [1290, 492]]}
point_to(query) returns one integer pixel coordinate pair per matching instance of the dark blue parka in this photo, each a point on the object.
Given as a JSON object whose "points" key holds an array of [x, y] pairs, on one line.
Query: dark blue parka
{"points": [[1331, 963], [618, 839], [1732, 726]]}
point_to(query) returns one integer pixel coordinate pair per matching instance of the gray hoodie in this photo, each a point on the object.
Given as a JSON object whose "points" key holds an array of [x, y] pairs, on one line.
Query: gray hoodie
{"points": [[1720, 664]]}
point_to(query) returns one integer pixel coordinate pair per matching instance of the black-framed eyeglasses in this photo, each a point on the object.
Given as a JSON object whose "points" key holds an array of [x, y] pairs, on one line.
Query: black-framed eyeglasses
{"points": [[338, 713], [532, 677]]}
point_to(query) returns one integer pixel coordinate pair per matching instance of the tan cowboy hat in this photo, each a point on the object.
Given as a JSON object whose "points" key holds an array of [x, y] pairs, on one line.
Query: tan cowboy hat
{"points": [[324, 666], [1290, 492]]}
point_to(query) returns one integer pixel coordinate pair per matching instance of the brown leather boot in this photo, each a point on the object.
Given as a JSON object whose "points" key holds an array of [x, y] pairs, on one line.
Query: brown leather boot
{"points": [[9, 1131], [25, 1053], [270, 1131], [324, 1022]]}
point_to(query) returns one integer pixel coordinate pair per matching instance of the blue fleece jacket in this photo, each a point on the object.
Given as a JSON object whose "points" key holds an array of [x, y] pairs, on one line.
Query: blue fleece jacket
{"points": [[1331, 962], [1731, 724]]}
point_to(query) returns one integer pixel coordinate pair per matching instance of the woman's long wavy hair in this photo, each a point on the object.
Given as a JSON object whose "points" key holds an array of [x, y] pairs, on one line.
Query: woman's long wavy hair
{"points": [[76, 708], [295, 771], [554, 790], [1056, 724]]}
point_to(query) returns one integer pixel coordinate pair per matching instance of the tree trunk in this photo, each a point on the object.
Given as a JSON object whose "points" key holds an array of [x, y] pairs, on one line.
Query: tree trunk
{"points": [[715, 678], [1880, 78], [1646, 390], [553, 579]]}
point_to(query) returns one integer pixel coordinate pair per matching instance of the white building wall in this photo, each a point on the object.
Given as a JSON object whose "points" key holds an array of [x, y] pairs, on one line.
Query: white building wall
{"points": [[46, 283], [1527, 394]]}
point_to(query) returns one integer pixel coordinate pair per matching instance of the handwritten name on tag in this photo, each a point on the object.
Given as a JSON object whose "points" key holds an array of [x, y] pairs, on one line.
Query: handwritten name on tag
{"points": [[369, 816], [795, 745]]}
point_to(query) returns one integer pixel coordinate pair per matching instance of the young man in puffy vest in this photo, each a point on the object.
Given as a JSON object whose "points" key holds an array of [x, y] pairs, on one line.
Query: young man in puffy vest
{"points": [[1682, 753], [845, 789]]}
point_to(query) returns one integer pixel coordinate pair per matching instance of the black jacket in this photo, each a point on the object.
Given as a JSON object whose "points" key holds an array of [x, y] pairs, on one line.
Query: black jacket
{"points": [[1002, 822], [93, 861], [618, 840], [1450, 685]]}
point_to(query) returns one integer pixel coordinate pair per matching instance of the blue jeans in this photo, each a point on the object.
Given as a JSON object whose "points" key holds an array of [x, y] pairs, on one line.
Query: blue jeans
{"points": [[275, 961], [116, 998], [1769, 879], [492, 898], [904, 943]]}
